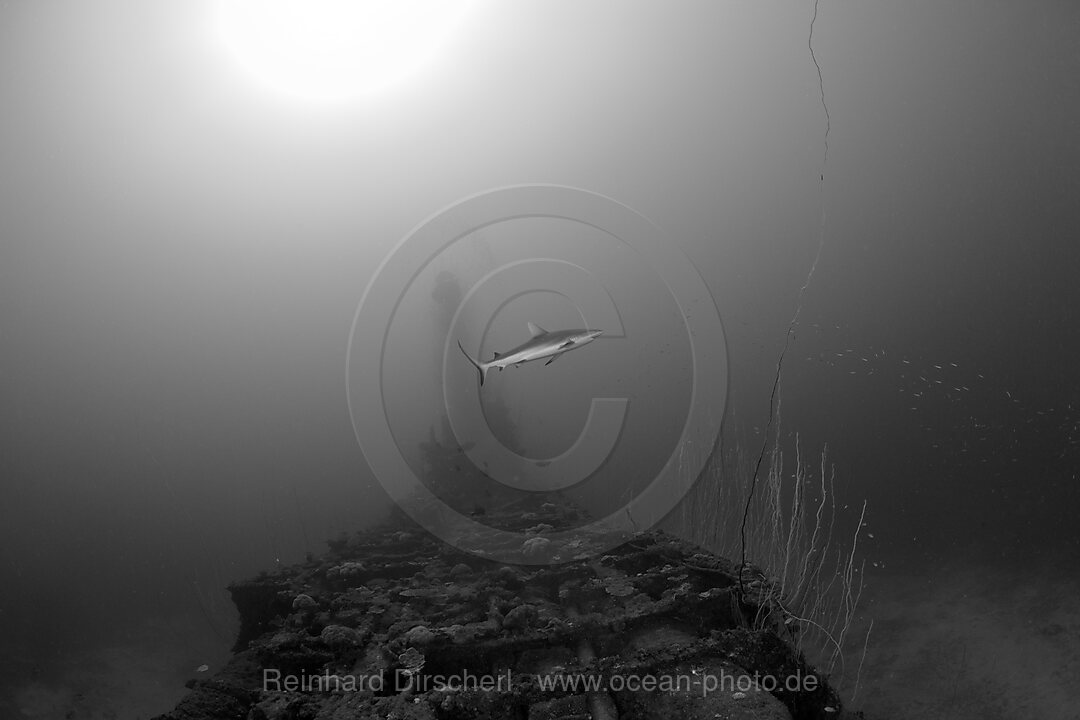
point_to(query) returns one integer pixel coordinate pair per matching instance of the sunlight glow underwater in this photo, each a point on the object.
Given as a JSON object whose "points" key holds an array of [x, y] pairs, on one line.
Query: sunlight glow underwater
{"points": [[330, 50]]}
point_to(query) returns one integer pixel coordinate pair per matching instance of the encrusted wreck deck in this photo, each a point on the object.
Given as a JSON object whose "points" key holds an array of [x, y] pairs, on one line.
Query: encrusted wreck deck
{"points": [[392, 623]]}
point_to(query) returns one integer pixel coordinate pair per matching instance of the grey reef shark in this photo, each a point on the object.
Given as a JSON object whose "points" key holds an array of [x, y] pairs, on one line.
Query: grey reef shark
{"points": [[542, 344]]}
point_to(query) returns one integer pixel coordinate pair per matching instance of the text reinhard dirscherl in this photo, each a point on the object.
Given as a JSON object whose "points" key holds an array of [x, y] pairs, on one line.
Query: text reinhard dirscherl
{"points": [[401, 681], [404, 681]]}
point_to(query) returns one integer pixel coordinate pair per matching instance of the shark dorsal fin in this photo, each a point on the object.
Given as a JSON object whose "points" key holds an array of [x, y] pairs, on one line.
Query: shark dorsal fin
{"points": [[536, 330]]}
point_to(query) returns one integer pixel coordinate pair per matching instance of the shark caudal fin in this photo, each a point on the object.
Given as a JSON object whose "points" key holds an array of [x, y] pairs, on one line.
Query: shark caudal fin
{"points": [[482, 369]]}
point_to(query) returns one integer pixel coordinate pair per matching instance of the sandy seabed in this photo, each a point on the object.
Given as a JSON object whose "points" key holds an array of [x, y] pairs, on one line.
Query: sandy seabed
{"points": [[972, 641], [138, 674]]}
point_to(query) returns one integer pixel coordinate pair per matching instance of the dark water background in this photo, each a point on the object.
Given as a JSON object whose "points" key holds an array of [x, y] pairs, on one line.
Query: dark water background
{"points": [[182, 255]]}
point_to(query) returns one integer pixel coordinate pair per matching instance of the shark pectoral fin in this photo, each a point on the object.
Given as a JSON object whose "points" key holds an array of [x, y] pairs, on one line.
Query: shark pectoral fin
{"points": [[536, 330], [554, 358]]}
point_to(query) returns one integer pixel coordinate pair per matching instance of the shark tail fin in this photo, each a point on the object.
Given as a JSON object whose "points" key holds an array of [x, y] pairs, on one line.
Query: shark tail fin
{"points": [[482, 369]]}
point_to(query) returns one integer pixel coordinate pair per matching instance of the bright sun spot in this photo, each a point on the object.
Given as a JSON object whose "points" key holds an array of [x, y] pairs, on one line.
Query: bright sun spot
{"points": [[334, 49]]}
